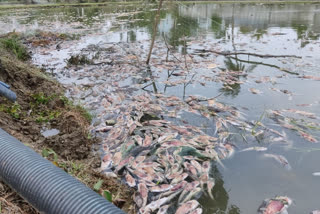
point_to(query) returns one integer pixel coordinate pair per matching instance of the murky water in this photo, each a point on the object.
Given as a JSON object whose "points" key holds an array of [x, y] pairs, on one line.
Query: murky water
{"points": [[280, 29]]}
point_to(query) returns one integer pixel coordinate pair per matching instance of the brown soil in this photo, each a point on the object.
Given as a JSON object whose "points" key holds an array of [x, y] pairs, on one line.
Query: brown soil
{"points": [[41, 104]]}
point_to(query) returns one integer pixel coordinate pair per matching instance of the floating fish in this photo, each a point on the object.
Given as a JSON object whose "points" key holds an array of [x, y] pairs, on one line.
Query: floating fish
{"points": [[187, 207], [161, 188], [130, 180], [143, 191], [316, 174], [308, 137], [255, 148], [281, 159], [277, 205], [210, 185], [196, 211], [163, 209], [254, 91]]}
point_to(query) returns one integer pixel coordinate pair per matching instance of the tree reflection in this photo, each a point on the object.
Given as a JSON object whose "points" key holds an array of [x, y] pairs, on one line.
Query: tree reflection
{"points": [[304, 33], [219, 204], [235, 64], [217, 27]]}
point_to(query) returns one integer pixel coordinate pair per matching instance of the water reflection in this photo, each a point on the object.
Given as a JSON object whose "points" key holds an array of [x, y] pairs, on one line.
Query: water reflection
{"points": [[220, 203]]}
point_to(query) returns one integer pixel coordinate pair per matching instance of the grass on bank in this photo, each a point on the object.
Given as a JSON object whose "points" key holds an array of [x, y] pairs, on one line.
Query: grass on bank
{"points": [[14, 45]]}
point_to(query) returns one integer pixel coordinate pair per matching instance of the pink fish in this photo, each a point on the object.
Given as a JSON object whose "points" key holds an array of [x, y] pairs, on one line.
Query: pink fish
{"points": [[187, 207], [143, 191], [161, 188], [276, 205], [130, 180], [196, 211]]}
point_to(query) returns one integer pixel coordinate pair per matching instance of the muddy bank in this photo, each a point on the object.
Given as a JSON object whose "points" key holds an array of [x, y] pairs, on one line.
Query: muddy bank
{"points": [[42, 110]]}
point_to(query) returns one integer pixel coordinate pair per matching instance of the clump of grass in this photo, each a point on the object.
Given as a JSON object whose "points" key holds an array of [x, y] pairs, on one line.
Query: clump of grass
{"points": [[84, 112], [79, 60], [47, 116], [14, 45], [40, 98]]}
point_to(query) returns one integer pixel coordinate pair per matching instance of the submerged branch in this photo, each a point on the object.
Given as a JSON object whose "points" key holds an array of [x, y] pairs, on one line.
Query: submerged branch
{"points": [[228, 53], [264, 64]]}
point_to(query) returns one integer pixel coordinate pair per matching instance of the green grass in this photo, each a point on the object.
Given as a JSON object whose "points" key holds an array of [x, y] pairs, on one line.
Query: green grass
{"points": [[84, 112], [14, 110], [13, 45]]}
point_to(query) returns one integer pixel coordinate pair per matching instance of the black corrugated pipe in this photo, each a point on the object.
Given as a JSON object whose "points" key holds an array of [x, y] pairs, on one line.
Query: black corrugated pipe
{"points": [[6, 92], [46, 187]]}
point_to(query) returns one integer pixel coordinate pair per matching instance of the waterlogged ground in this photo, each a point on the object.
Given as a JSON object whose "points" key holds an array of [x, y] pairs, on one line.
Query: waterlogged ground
{"points": [[226, 131]]}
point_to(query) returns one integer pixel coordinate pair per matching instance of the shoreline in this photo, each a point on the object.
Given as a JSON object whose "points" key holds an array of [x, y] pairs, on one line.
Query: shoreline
{"points": [[20, 6]]}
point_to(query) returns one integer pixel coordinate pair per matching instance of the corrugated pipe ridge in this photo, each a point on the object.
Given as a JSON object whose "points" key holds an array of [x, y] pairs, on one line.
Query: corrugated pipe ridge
{"points": [[48, 188], [6, 92]]}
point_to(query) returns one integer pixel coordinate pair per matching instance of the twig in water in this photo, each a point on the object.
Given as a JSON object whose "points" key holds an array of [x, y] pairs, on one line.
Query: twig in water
{"points": [[169, 49], [228, 53]]}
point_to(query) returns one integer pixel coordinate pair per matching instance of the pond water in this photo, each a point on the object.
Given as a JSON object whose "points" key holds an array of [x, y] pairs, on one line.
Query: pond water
{"points": [[290, 85]]}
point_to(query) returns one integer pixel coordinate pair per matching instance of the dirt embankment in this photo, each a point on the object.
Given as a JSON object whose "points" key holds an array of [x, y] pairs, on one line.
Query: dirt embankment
{"points": [[41, 105]]}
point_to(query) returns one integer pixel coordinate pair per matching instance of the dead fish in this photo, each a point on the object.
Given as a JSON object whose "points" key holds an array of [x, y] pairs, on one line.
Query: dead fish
{"points": [[210, 185], [179, 178], [117, 157], [104, 129], [190, 168], [161, 188], [255, 148], [196, 211], [138, 199], [303, 113], [167, 137], [254, 91], [188, 188], [258, 133], [281, 159], [173, 143], [187, 207], [197, 165], [276, 205], [106, 162], [163, 209], [316, 174], [130, 180], [308, 137], [218, 126], [143, 191], [153, 206], [147, 140], [191, 194]]}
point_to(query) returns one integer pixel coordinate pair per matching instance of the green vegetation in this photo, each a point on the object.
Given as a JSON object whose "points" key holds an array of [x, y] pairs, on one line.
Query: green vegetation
{"points": [[106, 194], [14, 110], [13, 45], [80, 109], [72, 168]]}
